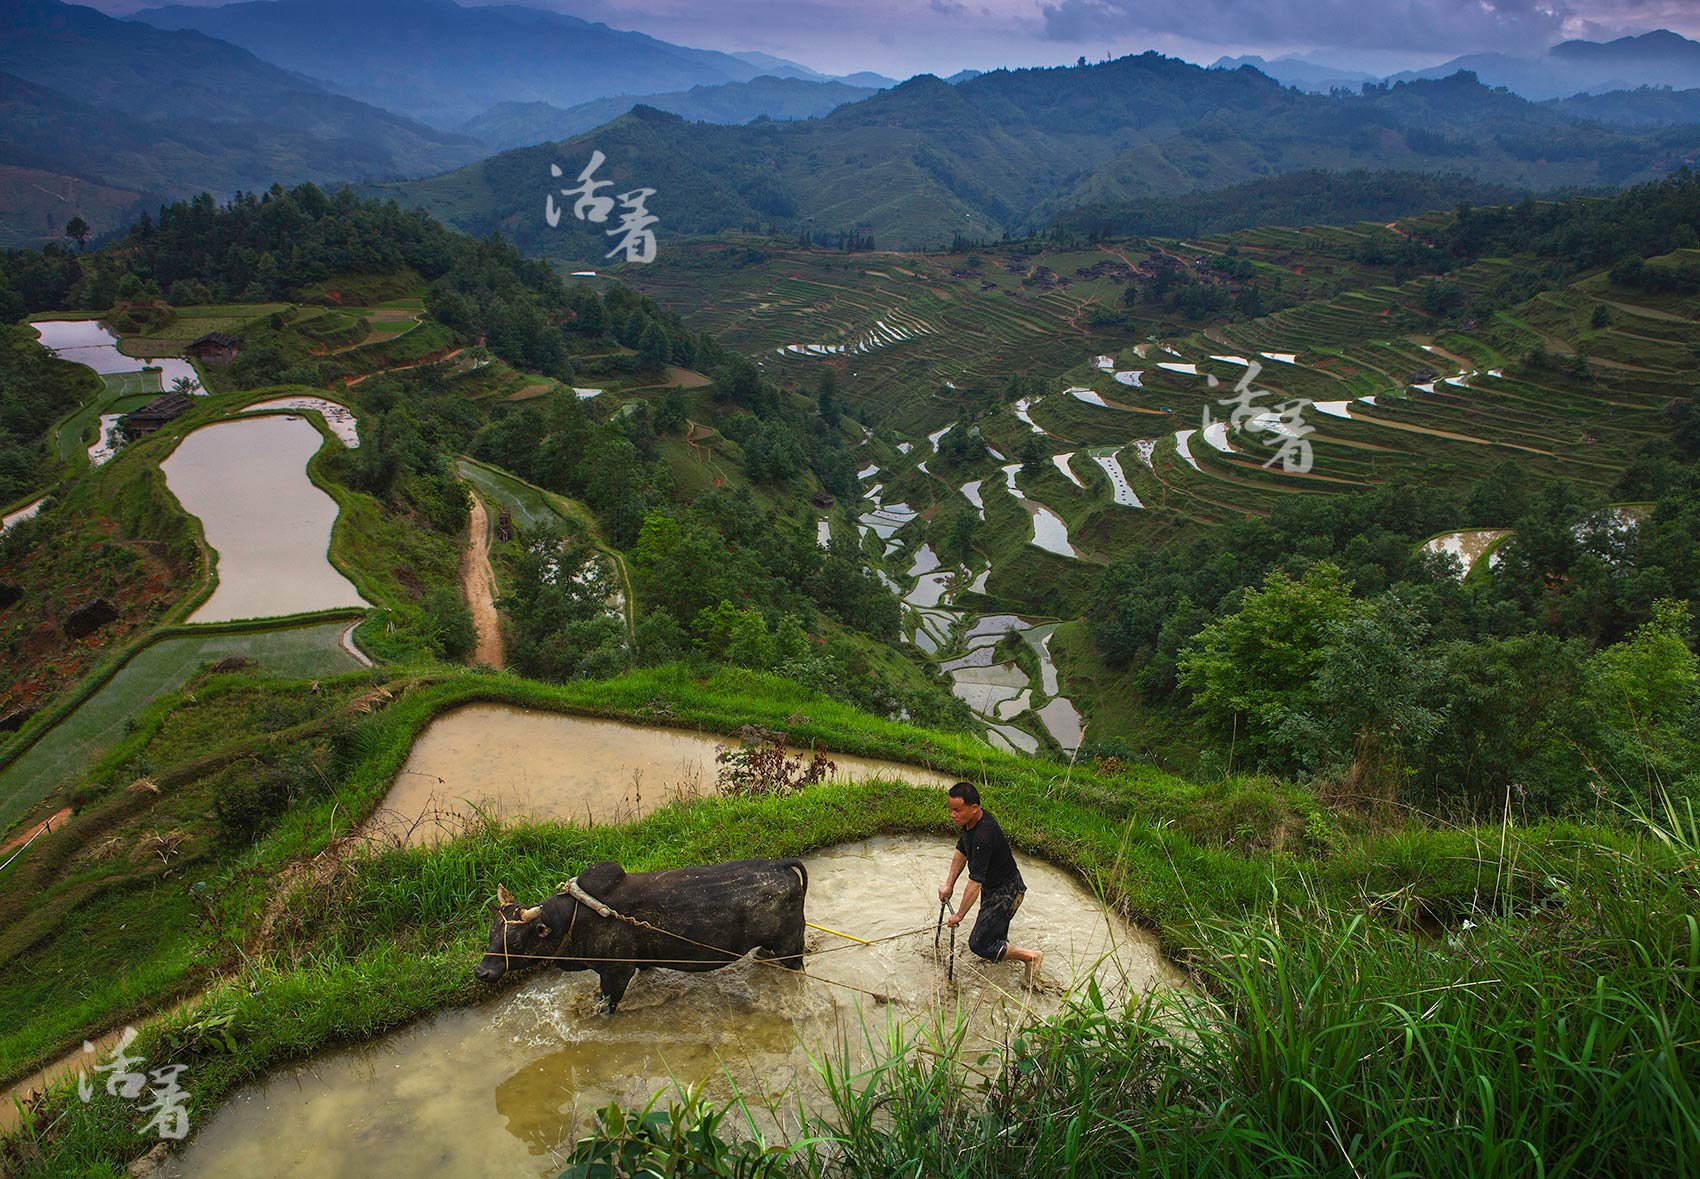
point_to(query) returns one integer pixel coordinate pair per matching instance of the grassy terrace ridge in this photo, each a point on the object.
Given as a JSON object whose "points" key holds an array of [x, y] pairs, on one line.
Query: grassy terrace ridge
{"points": [[95, 716], [534, 507], [375, 939], [65, 737], [1451, 401]]}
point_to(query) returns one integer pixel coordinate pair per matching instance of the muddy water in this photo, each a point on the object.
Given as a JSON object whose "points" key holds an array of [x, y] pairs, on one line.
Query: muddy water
{"points": [[338, 418], [27, 512], [1466, 546], [106, 441], [88, 342], [247, 482], [503, 1088], [547, 765]]}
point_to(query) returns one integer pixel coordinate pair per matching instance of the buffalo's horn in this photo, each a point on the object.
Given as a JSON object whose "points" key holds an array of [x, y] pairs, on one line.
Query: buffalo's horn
{"points": [[503, 895], [531, 914]]}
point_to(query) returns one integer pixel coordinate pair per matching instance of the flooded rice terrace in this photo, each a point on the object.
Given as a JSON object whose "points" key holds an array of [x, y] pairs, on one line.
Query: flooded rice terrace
{"points": [[505, 1087], [246, 480], [89, 342], [516, 763]]}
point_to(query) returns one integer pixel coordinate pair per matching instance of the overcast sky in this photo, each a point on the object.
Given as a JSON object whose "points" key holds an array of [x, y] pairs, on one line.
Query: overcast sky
{"points": [[904, 37]]}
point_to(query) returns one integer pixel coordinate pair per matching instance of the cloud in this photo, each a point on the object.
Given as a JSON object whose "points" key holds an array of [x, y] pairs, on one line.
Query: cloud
{"points": [[1459, 26]]}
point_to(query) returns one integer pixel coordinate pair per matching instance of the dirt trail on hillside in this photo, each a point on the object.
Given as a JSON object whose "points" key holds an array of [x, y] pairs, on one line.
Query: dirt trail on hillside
{"points": [[47, 824], [478, 583]]}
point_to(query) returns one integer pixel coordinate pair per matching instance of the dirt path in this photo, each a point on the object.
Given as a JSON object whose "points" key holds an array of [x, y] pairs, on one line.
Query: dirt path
{"points": [[478, 583], [350, 383], [24, 837]]}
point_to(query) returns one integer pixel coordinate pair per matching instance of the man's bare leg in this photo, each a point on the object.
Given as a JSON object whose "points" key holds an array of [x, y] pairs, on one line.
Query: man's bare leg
{"points": [[1033, 958]]}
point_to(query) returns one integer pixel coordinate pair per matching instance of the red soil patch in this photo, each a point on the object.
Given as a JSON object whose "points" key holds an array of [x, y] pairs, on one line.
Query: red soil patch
{"points": [[54, 820]]}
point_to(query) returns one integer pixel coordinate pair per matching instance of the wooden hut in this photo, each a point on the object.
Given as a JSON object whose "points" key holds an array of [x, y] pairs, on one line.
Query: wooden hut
{"points": [[155, 414], [214, 348]]}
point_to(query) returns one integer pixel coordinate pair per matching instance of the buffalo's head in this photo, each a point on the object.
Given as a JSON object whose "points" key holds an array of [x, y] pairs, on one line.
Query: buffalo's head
{"points": [[518, 936]]}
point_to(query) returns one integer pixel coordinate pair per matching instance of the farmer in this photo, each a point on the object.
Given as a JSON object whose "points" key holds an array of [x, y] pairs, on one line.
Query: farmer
{"points": [[984, 851]]}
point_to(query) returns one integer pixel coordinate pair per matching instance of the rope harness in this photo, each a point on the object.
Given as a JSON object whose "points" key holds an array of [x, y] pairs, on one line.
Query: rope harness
{"points": [[572, 889]]}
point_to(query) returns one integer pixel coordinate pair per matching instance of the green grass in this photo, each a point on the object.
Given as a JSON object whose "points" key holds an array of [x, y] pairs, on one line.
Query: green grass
{"points": [[391, 939], [59, 758], [1319, 1042], [74, 433], [1330, 1047]]}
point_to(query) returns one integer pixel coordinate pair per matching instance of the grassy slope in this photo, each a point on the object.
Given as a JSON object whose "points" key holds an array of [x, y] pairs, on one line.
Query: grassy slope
{"points": [[1357, 331], [390, 938], [58, 759]]}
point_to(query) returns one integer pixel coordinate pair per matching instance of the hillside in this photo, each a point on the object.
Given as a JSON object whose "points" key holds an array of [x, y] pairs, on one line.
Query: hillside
{"points": [[82, 96], [957, 512], [924, 162], [520, 124], [453, 62], [1577, 67], [1023, 467]]}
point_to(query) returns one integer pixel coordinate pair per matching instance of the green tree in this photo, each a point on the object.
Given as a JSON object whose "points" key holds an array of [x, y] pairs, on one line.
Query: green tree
{"points": [[449, 625], [673, 413], [1643, 694], [826, 397], [750, 644], [654, 349], [1252, 667], [713, 626], [1368, 708], [959, 540], [1034, 454], [660, 639]]}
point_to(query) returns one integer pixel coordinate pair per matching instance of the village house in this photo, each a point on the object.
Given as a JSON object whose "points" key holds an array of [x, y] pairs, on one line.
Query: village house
{"points": [[155, 414], [214, 348]]}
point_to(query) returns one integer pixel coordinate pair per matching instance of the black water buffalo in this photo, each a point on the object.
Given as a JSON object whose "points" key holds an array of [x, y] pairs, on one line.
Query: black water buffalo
{"points": [[733, 908]]}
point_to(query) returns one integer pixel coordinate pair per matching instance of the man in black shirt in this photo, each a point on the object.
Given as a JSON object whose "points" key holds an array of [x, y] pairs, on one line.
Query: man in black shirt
{"points": [[993, 880]]}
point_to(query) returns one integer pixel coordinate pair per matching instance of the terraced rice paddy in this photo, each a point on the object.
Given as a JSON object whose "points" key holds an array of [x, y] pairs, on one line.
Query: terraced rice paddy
{"points": [[1356, 373], [1467, 546], [65, 751], [507, 1085], [338, 417], [246, 480], [1121, 493]]}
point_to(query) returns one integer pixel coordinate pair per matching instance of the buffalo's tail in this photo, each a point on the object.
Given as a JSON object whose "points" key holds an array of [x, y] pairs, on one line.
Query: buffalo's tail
{"points": [[801, 871]]}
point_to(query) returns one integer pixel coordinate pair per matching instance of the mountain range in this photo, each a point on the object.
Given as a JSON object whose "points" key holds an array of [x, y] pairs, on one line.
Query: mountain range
{"points": [[920, 163], [443, 64], [1657, 59], [385, 92], [519, 124], [86, 98]]}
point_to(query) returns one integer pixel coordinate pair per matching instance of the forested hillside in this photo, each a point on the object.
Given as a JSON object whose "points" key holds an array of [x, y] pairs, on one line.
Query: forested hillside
{"points": [[1312, 602], [1009, 150]]}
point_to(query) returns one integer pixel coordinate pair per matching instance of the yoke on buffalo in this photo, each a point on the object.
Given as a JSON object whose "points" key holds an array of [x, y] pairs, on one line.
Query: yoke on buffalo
{"points": [[690, 919]]}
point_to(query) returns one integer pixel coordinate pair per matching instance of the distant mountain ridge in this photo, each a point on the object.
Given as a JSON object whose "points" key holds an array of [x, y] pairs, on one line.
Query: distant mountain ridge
{"points": [[1293, 71], [164, 114], [516, 124], [925, 161], [1657, 59], [444, 64]]}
